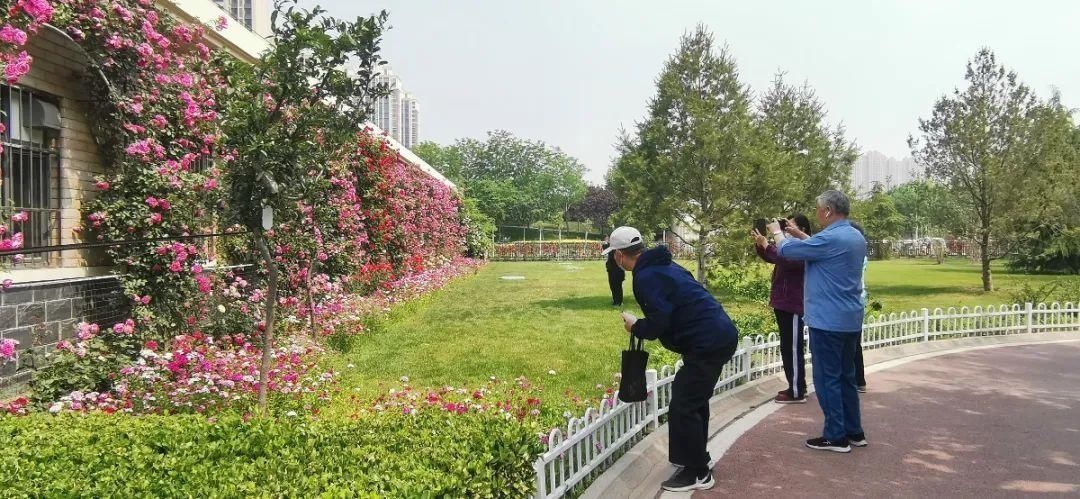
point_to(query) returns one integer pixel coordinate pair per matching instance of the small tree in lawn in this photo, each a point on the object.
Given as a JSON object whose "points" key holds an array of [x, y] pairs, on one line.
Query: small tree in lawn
{"points": [[977, 141], [290, 115]]}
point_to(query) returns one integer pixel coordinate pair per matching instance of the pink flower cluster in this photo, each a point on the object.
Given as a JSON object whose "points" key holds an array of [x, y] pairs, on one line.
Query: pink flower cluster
{"points": [[201, 374], [519, 400], [8, 349]]}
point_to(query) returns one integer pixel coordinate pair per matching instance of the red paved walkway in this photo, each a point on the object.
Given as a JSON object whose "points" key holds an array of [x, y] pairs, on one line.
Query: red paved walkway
{"points": [[1000, 422]]}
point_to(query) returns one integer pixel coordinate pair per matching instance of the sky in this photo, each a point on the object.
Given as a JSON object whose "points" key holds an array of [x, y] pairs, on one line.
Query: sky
{"points": [[571, 73]]}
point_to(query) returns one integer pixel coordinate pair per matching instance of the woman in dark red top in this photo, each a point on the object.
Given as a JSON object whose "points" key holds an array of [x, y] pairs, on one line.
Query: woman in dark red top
{"points": [[786, 299]]}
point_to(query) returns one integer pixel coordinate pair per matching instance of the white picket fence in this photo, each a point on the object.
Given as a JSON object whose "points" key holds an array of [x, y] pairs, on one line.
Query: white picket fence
{"points": [[590, 443]]}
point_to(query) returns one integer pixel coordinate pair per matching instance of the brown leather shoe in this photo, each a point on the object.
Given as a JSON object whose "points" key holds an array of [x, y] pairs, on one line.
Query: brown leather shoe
{"points": [[784, 398]]}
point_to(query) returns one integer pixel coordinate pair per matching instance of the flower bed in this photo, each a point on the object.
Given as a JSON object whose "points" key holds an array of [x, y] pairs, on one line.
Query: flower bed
{"points": [[537, 250]]}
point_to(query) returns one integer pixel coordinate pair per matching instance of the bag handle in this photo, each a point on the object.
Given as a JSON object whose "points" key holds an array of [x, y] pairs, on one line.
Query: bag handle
{"points": [[640, 345]]}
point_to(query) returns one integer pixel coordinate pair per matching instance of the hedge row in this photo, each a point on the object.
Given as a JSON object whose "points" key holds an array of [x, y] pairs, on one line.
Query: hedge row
{"points": [[422, 455]]}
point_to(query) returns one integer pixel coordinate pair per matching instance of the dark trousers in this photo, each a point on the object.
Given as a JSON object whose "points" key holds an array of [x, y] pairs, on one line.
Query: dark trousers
{"points": [[860, 372], [688, 419], [834, 381], [792, 349], [615, 279]]}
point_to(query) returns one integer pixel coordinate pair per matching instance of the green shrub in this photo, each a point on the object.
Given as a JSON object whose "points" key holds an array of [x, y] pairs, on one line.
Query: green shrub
{"points": [[480, 229], [426, 455], [743, 281]]}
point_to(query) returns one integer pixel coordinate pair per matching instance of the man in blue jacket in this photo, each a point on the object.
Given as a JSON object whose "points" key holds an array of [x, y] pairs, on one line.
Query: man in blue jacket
{"points": [[834, 313], [681, 313]]}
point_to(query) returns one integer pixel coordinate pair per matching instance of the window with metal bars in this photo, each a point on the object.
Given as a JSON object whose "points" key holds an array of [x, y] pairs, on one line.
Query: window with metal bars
{"points": [[31, 170]]}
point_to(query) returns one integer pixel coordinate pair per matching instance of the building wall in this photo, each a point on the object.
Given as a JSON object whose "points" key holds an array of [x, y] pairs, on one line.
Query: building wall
{"points": [[59, 70], [39, 315]]}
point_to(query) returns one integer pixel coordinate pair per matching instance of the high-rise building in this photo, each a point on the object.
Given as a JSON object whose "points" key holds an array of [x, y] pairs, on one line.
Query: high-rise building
{"points": [[410, 121], [398, 113], [253, 14], [876, 168]]}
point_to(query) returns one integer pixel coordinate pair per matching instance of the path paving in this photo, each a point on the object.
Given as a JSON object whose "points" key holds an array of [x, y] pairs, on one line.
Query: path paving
{"points": [[998, 422]]}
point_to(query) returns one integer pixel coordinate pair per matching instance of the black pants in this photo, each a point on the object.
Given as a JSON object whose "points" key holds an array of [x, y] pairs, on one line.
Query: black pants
{"points": [[860, 374], [615, 279], [792, 350], [688, 419]]}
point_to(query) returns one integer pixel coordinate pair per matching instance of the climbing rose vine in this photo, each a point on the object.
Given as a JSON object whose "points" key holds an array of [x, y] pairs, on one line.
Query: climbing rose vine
{"points": [[159, 96]]}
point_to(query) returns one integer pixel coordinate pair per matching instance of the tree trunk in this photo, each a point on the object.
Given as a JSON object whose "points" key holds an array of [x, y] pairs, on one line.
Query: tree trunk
{"points": [[984, 249], [700, 250], [268, 332]]}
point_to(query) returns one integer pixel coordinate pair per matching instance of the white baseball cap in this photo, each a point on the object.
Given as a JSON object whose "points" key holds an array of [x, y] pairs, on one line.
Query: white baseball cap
{"points": [[622, 238]]}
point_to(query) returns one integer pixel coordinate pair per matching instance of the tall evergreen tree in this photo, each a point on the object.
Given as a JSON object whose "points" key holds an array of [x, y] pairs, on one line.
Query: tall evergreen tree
{"points": [[810, 157], [693, 160]]}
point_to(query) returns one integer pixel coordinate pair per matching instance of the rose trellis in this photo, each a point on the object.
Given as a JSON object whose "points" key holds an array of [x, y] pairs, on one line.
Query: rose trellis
{"points": [[159, 95]]}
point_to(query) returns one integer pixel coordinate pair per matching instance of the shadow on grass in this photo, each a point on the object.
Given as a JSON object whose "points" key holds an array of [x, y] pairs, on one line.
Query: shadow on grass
{"points": [[599, 302]]}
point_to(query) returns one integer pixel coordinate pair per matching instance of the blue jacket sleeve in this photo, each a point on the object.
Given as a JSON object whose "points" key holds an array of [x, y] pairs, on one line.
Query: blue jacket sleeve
{"points": [[815, 248], [657, 308]]}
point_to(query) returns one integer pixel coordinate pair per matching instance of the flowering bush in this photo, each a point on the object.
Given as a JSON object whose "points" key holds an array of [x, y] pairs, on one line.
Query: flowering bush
{"points": [[173, 120], [199, 374]]}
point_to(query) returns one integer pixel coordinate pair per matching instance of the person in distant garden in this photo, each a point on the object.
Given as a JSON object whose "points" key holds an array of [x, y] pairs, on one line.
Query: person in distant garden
{"points": [[681, 313], [860, 370], [834, 311], [786, 300], [615, 276]]}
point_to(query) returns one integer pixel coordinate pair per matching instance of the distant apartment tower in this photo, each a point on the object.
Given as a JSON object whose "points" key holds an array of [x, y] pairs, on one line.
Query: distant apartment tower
{"points": [[253, 14], [410, 121], [874, 167], [397, 113]]}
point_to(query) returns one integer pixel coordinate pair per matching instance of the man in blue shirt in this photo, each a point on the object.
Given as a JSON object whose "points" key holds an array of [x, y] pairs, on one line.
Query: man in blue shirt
{"points": [[834, 314]]}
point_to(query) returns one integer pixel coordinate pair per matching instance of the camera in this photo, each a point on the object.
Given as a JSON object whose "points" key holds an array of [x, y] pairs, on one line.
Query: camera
{"points": [[761, 225]]}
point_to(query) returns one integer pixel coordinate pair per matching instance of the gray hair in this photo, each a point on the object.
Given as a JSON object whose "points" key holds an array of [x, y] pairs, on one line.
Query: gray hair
{"points": [[835, 201]]}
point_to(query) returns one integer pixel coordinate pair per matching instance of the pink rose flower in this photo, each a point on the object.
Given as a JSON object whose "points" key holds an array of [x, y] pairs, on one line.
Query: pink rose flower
{"points": [[12, 35], [7, 348]]}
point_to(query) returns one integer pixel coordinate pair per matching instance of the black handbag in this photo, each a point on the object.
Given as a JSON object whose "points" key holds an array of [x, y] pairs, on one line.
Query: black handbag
{"points": [[632, 385]]}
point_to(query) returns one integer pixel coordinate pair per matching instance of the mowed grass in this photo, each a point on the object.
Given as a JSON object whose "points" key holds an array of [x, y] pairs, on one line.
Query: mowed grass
{"points": [[903, 285], [559, 318]]}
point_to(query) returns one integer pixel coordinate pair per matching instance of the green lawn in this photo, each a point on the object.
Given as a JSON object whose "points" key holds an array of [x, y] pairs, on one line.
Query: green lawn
{"points": [[559, 319]]}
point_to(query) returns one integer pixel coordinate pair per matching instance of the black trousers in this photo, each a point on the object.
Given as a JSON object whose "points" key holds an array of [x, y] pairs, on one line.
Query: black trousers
{"points": [[688, 418], [860, 374], [792, 350], [615, 279]]}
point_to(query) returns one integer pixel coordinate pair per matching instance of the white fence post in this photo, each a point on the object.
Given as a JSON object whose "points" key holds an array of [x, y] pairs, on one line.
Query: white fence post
{"points": [[653, 400], [541, 478], [1028, 310], [746, 344], [926, 324]]}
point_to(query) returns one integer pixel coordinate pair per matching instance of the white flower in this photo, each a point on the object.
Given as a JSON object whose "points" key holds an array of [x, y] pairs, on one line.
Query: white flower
{"points": [[147, 353], [55, 408], [404, 379], [221, 308], [551, 372], [291, 414], [350, 366]]}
